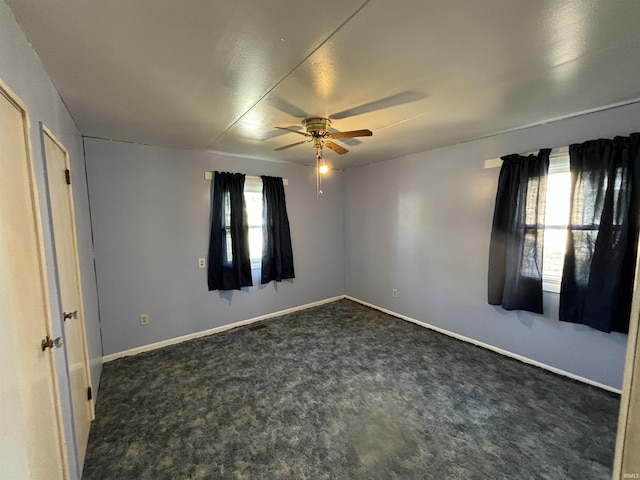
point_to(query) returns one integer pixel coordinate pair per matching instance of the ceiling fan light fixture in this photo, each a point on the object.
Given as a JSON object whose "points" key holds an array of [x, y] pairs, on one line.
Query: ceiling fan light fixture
{"points": [[321, 168], [318, 132], [321, 164]]}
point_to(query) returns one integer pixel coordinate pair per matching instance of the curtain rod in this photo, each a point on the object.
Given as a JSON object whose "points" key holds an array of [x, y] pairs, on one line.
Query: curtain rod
{"points": [[208, 175], [555, 152]]}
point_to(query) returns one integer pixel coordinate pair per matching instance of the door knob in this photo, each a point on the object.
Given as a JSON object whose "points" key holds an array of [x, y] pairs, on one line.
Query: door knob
{"points": [[67, 316], [50, 343]]}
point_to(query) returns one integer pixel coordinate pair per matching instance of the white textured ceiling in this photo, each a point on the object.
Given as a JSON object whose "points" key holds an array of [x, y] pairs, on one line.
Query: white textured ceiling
{"points": [[421, 74]]}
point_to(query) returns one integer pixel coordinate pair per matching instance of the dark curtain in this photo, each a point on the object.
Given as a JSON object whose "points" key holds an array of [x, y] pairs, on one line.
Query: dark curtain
{"points": [[602, 239], [229, 268], [517, 235], [277, 254]]}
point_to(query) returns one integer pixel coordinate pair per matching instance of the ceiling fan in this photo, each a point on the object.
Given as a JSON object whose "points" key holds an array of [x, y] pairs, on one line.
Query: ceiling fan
{"points": [[318, 131]]}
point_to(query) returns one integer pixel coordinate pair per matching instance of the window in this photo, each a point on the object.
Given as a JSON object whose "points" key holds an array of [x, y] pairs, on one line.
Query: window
{"points": [[253, 203], [556, 219]]}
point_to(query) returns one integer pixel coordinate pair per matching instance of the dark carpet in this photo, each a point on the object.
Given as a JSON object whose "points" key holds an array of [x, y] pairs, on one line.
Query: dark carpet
{"points": [[342, 391]]}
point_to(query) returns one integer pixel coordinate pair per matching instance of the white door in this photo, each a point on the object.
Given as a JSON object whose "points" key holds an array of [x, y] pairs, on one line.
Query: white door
{"points": [[64, 232], [32, 438]]}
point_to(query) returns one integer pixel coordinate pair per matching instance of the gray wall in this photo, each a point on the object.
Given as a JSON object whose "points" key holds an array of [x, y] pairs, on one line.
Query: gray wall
{"points": [[422, 224], [21, 70], [150, 208]]}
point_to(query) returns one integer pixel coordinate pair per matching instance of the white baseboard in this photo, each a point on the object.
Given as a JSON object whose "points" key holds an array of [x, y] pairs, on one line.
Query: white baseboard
{"points": [[491, 347], [211, 331], [204, 333]]}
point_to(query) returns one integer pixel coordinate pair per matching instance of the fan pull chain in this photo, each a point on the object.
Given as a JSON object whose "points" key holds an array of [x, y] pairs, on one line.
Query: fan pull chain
{"points": [[318, 175]]}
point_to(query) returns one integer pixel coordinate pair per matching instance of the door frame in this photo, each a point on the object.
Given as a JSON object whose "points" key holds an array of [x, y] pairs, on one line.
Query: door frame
{"points": [[630, 388], [74, 233], [62, 445]]}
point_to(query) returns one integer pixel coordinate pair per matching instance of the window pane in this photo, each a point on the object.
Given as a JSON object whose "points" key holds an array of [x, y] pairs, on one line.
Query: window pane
{"points": [[253, 201], [554, 247], [556, 220], [557, 209], [254, 208], [255, 245]]}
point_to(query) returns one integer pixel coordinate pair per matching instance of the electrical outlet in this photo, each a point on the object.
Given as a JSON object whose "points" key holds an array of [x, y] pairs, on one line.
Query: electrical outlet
{"points": [[394, 292], [202, 263], [144, 319]]}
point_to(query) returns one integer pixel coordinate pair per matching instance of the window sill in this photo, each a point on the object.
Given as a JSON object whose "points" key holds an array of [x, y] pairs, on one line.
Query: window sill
{"points": [[551, 284]]}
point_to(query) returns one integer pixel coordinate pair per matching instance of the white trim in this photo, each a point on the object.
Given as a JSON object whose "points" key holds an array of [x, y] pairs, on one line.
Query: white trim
{"points": [[493, 163], [581, 113], [491, 347], [551, 283], [204, 333], [211, 331], [630, 386]]}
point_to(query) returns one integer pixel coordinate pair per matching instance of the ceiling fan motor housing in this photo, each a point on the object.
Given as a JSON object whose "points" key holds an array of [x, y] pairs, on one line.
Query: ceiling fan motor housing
{"points": [[317, 126]]}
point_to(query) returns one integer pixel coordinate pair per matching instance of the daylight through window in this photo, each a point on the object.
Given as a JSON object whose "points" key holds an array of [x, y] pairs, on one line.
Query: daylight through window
{"points": [[556, 219], [253, 203]]}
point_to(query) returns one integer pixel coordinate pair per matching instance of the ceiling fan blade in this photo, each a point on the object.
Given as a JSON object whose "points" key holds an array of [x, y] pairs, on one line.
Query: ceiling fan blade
{"points": [[336, 148], [264, 136], [390, 101], [352, 133], [294, 131], [292, 145]]}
